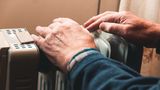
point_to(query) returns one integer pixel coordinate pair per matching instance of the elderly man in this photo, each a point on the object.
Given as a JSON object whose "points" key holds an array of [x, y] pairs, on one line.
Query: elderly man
{"points": [[71, 47]]}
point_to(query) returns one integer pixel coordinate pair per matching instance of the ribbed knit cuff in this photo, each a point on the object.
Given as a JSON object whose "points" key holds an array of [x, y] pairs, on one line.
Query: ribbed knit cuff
{"points": [[79, 56]]}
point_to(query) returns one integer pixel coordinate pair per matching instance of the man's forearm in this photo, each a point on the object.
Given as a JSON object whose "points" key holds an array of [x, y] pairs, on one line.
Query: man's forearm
{"points": [[96, 72]]}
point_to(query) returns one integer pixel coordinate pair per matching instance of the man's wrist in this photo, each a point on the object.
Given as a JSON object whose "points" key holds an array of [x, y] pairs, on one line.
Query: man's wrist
{"points": [[79, 56]]}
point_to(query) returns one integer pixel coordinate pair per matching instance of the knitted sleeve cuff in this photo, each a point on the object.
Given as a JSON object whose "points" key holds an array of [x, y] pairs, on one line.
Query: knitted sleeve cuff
{"points": [[79, 56]]}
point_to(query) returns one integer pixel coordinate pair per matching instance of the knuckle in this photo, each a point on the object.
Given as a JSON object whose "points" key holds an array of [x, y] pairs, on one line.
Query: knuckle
{"points": [[128, 27], [52, 34], [65, 26], [126, 30]]}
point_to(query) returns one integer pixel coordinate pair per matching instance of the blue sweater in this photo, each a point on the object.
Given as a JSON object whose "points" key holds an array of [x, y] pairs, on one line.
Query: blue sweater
{"points": [[95, 72]]}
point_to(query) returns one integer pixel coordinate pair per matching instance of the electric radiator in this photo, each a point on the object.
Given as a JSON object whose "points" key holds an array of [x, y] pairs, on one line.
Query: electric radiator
{"points": [[24, 67]]}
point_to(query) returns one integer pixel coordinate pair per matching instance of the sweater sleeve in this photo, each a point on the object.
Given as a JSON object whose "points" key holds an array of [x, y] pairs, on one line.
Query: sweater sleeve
{"points": [[95, 72]]}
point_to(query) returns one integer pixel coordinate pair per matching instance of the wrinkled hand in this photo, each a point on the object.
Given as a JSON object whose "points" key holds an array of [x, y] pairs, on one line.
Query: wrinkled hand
{"points": [[62, 39], [127, 25]]}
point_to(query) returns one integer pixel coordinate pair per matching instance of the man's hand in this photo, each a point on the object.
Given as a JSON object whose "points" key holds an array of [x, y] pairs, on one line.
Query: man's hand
{"points": [[62, 39], [127, 25]]}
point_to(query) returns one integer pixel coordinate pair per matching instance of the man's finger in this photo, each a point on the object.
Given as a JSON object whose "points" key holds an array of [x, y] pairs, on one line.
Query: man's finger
{"points": [[43, 31], [38, 39], [115, 18], [114, 28], [95, 25], [94, 18], [94, 22], [90, 21]]}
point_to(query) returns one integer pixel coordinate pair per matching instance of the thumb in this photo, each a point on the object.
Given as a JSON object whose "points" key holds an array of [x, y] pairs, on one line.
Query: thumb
{"points": [[114, 28]]}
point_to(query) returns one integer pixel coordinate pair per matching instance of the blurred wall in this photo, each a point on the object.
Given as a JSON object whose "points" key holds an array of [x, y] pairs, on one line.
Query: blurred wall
{"points": [[30, 13], [109, 5]]}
